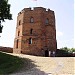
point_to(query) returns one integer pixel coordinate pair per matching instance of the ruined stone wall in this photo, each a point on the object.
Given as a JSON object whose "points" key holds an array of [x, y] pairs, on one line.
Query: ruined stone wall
{"points": [[6, 49]]}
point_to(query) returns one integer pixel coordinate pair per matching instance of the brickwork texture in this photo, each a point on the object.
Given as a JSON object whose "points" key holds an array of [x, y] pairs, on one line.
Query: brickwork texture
{"points": [[35, 31]]}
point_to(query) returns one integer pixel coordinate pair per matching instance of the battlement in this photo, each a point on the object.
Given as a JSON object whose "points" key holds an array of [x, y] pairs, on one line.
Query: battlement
{"points": [[35, 9], [39, 8]]}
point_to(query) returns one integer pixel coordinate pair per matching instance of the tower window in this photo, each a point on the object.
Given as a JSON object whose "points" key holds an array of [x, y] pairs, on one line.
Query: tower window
{"points": [[19, 22], [31, 31], [47, 21], [30, 40], [18, 33], [17, 43], [31, 20]]}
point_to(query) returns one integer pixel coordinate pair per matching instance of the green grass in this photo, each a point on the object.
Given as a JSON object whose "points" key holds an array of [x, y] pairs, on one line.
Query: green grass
{"points": [[9, 63]]}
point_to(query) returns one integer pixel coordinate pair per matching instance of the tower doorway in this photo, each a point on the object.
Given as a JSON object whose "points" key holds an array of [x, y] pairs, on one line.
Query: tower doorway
{"points": [[46, 53]]}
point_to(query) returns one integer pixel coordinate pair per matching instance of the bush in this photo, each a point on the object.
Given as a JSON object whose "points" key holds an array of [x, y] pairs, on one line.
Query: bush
{"points": [[63, 53]]}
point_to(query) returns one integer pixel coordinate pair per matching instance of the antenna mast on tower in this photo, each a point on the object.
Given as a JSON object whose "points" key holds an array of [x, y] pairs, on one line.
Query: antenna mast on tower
{"points": [[35, 1]]}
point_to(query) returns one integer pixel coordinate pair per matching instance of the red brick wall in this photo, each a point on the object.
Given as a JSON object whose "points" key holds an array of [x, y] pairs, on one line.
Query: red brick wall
{"points": [[42, 35]]}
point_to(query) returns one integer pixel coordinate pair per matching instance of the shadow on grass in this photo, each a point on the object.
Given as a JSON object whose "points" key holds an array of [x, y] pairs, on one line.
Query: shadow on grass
{"points": [[9, 63], [29, 68]]}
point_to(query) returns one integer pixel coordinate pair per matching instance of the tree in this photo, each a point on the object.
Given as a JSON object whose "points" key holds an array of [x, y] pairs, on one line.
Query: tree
{"points": [[65, 48], [4, 12], [70, 50]]}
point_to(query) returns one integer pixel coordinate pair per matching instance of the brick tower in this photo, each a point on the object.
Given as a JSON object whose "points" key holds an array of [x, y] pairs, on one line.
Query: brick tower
{"points": [[35, 32]]}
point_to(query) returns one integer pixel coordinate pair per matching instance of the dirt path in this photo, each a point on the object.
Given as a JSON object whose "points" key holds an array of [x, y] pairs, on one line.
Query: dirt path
{"points": [[47, 65]]}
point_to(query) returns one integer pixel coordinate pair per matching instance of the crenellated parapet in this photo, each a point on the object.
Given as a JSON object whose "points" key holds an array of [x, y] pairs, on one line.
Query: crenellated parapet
{"points": [[36, 9]]}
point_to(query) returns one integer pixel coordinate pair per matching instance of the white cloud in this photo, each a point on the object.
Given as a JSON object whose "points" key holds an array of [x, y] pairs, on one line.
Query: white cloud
{"points": [[59, 33], [74, 41], [65, 43]]}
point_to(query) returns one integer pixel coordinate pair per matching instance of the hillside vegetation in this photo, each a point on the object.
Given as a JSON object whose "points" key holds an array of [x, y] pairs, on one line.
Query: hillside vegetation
{"points": [[9, 63]]}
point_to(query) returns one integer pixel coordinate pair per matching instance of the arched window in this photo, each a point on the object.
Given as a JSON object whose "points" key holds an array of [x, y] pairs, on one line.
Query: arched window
{"points": [[17, 43], [18, 33], [31, 20], [19, 22], [47, 21], [31, 31], [30, 40]]}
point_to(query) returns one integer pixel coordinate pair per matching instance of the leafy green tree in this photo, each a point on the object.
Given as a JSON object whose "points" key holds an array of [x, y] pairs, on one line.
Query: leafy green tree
{"points": [[64, 48], [4, 12], [70, 50]]}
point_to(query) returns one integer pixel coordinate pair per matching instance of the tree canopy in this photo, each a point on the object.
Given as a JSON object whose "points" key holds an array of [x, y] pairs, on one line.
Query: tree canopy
{"points": [[68, 49], [4, 12]]}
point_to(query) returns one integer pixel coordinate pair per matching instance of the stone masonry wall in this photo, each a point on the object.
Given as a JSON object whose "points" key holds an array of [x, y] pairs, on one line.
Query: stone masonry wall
{"points": [[6, 49], [43, 35]]}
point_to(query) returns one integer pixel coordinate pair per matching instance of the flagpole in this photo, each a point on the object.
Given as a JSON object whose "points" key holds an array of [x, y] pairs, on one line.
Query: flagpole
{"points": [[36, 2]]}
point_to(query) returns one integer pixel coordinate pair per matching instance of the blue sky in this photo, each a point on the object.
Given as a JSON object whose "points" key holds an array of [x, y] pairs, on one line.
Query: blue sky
{"points": [[64, 14]]}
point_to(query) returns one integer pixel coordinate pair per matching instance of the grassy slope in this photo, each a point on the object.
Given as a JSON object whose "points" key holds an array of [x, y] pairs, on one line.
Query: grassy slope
{"points": [[9, 63]]}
